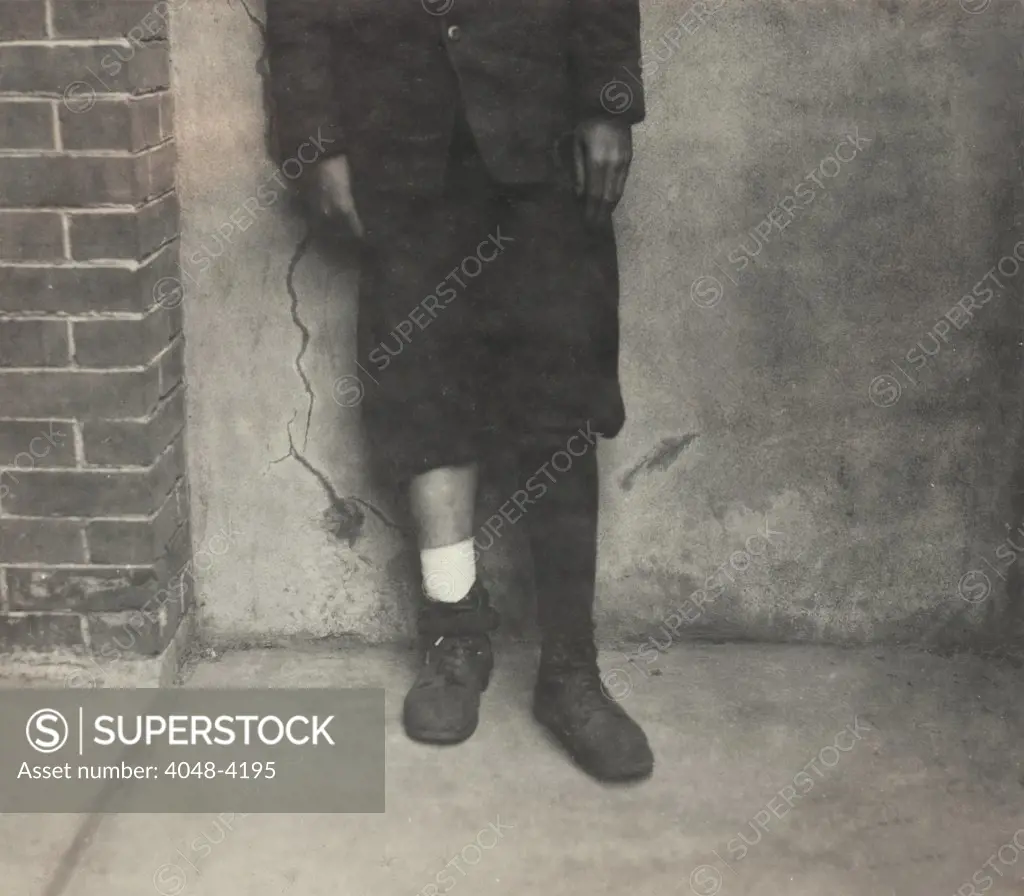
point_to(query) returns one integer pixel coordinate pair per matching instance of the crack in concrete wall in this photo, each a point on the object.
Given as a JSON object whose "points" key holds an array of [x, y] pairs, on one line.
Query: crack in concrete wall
{"points": [[344, 518], [297, 256], [659, 458], [256, 20]]}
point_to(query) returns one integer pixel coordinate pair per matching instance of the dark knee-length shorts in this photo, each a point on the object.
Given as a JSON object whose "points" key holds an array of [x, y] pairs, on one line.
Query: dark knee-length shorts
{"points": [[488, 318]]}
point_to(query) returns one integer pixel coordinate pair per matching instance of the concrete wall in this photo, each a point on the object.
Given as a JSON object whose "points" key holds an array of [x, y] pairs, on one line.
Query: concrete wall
{"points": [[780, 394]]}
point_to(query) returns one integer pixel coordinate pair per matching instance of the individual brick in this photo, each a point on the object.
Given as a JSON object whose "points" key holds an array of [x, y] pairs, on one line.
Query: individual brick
{"points": [[132, 633], [39, 632], [22, 20], [130, 124], [26, 124], [130, 235], [31, 236], [85, 394], [172, 367], [26, 443], [138, 20], [34, 343], [84, 590], [41, 541], [80, 73], [78, 290], [83, 181]]}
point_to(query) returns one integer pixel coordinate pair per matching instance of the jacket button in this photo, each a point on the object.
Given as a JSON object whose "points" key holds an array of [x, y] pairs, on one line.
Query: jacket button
{"points": [[454, 33]]}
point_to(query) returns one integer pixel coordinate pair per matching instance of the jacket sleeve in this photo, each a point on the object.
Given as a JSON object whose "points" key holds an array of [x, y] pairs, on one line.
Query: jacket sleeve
{"points": [[604, 55], [300, 46]]}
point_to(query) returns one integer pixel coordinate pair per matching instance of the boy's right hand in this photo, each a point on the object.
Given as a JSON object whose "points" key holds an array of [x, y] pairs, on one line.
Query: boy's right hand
{"points": [[330, 192]]}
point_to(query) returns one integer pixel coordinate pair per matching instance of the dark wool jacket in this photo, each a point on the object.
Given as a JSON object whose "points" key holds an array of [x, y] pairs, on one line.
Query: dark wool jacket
{"points": [[383, 79]]}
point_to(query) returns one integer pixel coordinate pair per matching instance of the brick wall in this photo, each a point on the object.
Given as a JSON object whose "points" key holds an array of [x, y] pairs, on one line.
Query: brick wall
{"points": [[94, 536]]}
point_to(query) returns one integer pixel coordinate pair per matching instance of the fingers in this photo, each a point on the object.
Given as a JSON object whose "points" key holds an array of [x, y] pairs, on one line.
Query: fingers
{"points": [[329, 191], [355, 223], [607, 150], [606, 182], [338, 205], [594, 209], [327, 209], [597, 176], [604, 179], [345, 207], [579, 166], [618, 186]]}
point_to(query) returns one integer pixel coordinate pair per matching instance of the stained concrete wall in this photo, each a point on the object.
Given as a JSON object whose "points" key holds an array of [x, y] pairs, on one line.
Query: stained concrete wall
{"points": [[790, 393]]}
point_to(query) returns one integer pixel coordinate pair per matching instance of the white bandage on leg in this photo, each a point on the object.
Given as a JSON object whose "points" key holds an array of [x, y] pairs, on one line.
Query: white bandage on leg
{"points": [[448, 572]]}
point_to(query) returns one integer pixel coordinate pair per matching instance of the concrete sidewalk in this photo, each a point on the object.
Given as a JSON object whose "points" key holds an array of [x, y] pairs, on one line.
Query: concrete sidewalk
{"points": [[907, 769]]}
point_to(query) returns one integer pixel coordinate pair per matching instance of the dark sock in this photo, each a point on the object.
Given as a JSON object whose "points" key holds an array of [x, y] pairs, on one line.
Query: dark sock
{"points": [[471, 615], [562, 527]]}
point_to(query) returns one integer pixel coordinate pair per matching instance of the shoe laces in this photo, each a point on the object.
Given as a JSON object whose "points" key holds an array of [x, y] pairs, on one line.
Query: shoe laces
{"points": [[590, 691], [579, 668], [450, 654]]}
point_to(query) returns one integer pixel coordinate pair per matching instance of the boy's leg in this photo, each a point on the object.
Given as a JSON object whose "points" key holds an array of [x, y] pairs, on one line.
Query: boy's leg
{"points": [[562, 528], [455, 616], [424, 414], [561, 392], [569, 699], [442, 503]]}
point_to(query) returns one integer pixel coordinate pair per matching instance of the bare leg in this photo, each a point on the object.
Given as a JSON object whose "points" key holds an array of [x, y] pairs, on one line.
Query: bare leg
{"points": [[443, 704], [442, 503]]}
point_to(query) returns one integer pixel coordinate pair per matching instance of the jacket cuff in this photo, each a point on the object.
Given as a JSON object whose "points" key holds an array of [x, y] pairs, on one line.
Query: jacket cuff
{"points": [[619, 97]]}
